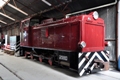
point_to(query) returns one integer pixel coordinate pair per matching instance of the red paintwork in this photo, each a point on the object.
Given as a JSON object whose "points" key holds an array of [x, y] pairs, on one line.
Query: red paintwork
{"points": [[65, 34]]}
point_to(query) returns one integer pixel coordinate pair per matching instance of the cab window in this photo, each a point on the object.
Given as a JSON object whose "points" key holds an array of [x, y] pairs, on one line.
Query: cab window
{"points": [[34, 22], [25, 23]]}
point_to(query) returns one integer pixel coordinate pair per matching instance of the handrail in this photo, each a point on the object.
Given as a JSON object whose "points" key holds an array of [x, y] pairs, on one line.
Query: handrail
{"points": [[58, 24]]}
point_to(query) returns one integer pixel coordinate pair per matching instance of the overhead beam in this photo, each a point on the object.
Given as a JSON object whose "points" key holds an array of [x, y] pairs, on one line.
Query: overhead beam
{"points": [[12, 6], [25, 6], [46, 10], [3, 22], [3, 3], [7, 16], [16, 16], [30, 4]]}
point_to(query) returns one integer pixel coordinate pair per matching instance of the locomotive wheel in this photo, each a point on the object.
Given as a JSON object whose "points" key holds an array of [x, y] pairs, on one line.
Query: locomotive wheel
{"points": [[31, 56], [26, 56], [40, 59], [50, 62]]}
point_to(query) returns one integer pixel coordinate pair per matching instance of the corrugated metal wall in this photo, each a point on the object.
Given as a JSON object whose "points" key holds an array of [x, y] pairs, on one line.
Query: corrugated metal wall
{"points": [[109, 16]]}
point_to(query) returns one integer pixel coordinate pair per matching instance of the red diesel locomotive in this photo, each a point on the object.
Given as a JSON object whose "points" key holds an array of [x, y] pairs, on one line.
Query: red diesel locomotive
{"points": [[77, 42]]}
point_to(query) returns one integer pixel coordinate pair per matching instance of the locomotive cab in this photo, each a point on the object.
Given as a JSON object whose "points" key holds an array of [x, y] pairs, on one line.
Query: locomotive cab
{"points": [[26, 26], [24, 39]]}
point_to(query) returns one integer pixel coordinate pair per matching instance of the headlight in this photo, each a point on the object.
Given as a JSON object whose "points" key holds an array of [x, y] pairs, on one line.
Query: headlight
{"points": [[108, 43], [95, 15], [82, 44]]}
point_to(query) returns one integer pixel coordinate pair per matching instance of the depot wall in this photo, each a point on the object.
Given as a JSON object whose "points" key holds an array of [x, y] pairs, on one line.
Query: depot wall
{"points": [[12, 30], [109, 16]]}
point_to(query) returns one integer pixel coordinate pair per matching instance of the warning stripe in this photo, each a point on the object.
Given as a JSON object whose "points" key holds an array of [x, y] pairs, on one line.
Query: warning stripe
{"points": [[105, 56], [80, 54], [83, 64], [89, 62], [83, 60]]}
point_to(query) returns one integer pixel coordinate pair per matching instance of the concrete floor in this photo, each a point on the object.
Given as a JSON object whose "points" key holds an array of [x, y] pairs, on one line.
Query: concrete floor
{"points": [[19, 68]]}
